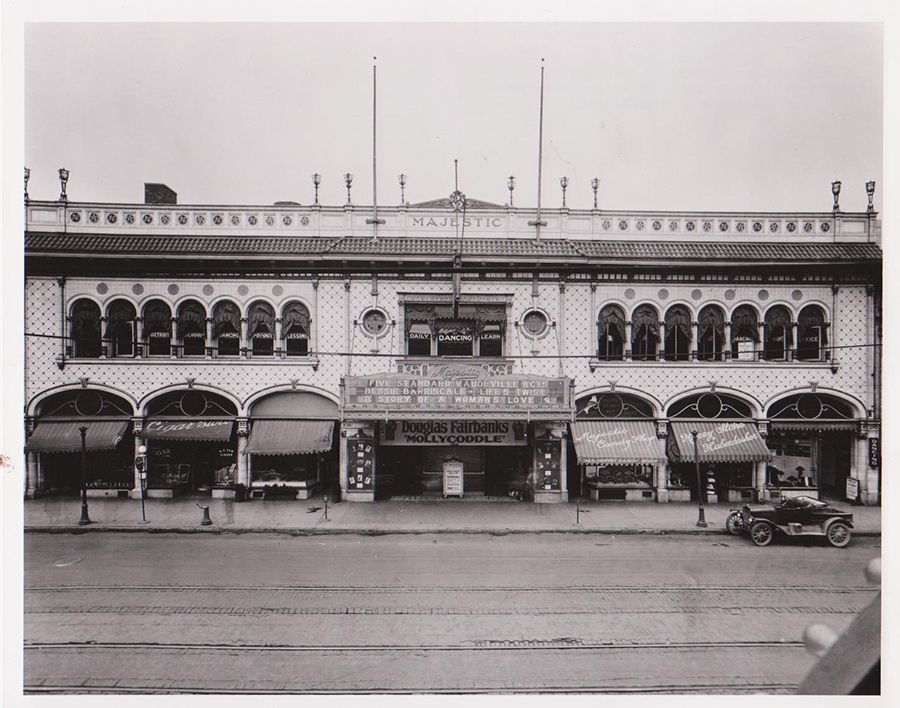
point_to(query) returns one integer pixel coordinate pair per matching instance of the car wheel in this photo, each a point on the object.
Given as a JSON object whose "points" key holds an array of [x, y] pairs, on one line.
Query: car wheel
{"points": [[733, 523], [838, 534], [761, 533]]}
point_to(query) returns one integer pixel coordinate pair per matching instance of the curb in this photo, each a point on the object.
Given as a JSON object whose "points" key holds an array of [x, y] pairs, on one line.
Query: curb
{"points": [[219, 530]]}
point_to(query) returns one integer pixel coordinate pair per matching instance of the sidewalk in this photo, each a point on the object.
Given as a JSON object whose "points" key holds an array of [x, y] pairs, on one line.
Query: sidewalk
{"points": [[182, 515]]}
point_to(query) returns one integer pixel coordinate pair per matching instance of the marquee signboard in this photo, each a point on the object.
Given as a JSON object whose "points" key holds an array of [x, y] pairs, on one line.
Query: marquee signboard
{"points": [[449, 388], [452, 432]]}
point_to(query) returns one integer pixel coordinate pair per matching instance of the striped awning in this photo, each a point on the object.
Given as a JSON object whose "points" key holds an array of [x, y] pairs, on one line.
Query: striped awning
{"points": [[819, 426], [215, 430], [631, 442], [65, 436], [290, 437], [719, 442]]}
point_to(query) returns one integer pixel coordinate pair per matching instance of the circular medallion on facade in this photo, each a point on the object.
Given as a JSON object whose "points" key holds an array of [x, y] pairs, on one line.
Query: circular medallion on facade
{"points": [[757, 226], [217, 219], [129, 218], [696, 294], [172, 289], [534, 323], [94, 217], [791, 226], [147, 218], [797, 294], [730, 294], [243, 290], [200, 219], [304, 220], [809, 406], [277, 290], [629, 293], [88, 403], [137, 289], [606, 224], [707, 226], [657, 225], [374, 322], [623, 224], [287, 220], [826, 227], [252, 219], [723, 226], [663, 294], [740, 226], [610, 405], [75, 217], [208, 290], [182, 219], [640, 225], [673, 225], [690, 225], [112, 218], [102, 288], [709, 405], [193, 403], [807, 227], [165, 219], [270, 220], [763, 294], [774, 226], [235, 220]]}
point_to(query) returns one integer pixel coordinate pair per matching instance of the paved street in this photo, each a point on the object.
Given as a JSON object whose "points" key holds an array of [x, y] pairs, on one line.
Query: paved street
{"points": [[450, 613]]}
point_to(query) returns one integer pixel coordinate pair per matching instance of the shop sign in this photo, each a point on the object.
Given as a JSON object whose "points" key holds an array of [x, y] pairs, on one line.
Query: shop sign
{"points": [[162, 426], [454, 387], [719, 437], [621, 440], [875, 453], [450, 432], [745, 348], [852, 488]]}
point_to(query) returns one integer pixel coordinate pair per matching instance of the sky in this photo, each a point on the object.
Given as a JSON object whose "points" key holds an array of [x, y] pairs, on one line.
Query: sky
{"points": [[669, 116]]}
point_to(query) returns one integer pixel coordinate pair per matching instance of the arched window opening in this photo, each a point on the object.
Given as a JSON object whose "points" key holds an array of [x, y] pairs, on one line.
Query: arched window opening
{"points": [[227, 329], [611, 333], [121, 332], [192, 328], [678, 333], [778, 335], [261, 320], [811, 334], [86, 329], [744, 333], [158, 328], [645, 334], [711, 340], [295, 329]]}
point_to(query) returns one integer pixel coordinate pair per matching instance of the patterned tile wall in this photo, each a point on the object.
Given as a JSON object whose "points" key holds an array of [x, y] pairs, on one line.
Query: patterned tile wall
{"points": [[573, 333]]}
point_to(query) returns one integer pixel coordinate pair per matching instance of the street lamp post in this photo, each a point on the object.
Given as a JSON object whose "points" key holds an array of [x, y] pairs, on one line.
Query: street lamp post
{"points": [[701, 519], [85, 519]]}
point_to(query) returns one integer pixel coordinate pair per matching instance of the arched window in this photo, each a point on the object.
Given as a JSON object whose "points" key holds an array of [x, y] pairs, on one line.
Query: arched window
{"points": [[678, 333], [158, 328], [711, 340], [261, 323], [86, 329], [120, 328], [295, 329], [611, 333], [811, 334], [744, 333], [644, 333], [227, 328], [192, 328], [778, 335]]}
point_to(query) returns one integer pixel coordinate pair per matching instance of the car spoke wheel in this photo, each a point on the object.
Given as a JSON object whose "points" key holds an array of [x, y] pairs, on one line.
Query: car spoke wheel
{"points": [[761, 533], [838, 534], [733, 523]]}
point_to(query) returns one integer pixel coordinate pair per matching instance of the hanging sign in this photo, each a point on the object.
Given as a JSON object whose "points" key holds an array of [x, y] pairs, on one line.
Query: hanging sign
{"points": [[875, 453]]}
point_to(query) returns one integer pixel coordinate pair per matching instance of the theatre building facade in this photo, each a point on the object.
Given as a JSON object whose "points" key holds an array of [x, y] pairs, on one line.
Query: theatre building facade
{"points": [[288, 351]]}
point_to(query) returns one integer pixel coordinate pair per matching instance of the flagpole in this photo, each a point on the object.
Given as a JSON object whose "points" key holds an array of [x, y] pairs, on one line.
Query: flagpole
{"points": [[374, 220], [537, 222]]}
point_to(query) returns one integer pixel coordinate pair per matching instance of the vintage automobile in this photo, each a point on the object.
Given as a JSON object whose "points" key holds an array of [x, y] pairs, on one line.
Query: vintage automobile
{"points": [[792, 516]]}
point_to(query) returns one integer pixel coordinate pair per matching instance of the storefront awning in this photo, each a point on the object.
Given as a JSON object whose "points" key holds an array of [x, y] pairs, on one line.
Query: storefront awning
{"points": [[59, 436], [631, 442], [719, 442], [217, 430], [290, 437], [820, 426]]}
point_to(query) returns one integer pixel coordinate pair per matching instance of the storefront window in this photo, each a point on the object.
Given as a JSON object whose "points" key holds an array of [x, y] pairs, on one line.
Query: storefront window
{"points": [[778, 336], [158, 328], [490, 340], [645, 333], [418, 339], [192, 328], [744, 333], [678, 333], [227, 329], [712, 333], [295, 329], [120, 328], [86, 329], [811, 334], [455, 338], [611, 333], [261, 321]]}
